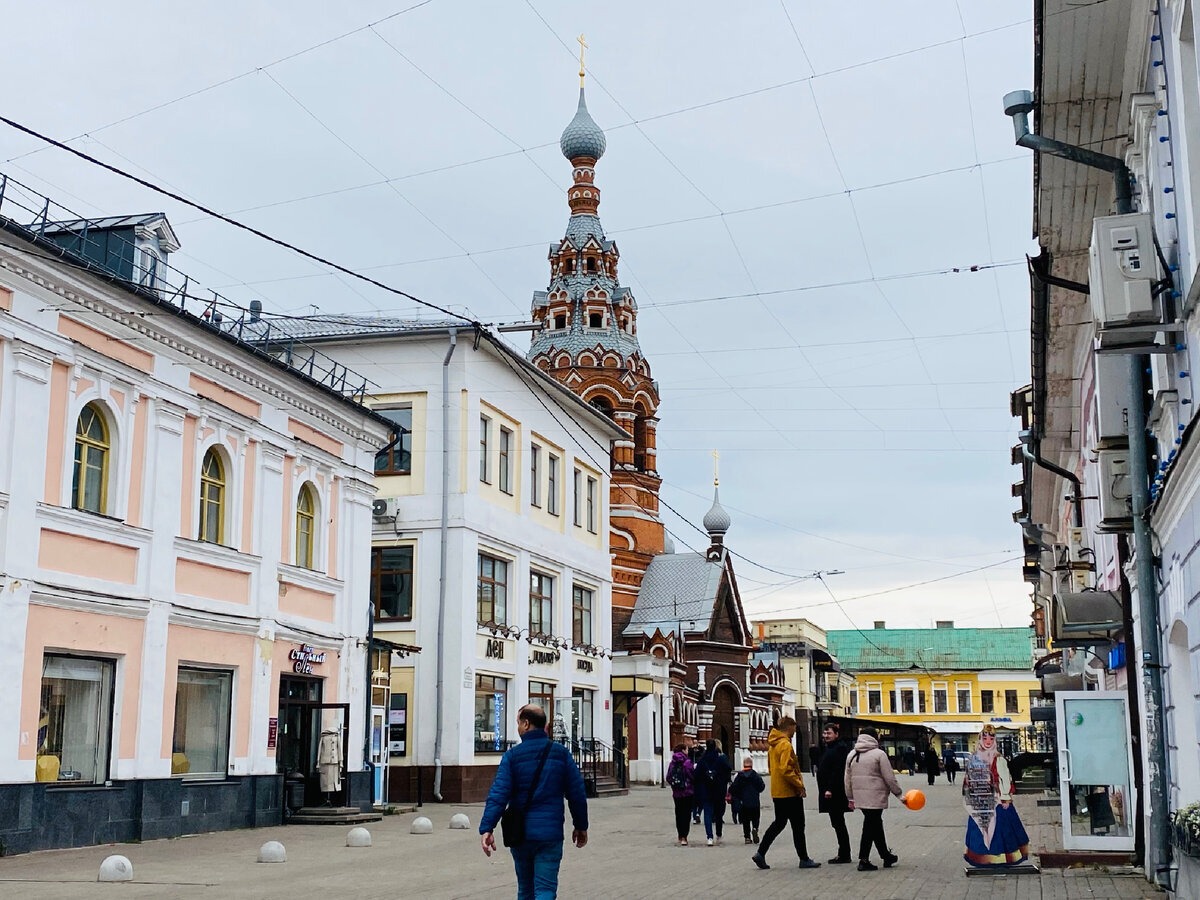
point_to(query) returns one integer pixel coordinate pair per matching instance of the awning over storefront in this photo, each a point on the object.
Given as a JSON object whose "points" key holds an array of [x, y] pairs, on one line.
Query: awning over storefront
{"points": [[972, 727], [822, 661], [635, 685], [384, 644]]}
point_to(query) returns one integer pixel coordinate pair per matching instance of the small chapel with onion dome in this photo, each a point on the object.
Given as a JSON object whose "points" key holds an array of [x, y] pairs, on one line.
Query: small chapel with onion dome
{"points": [[682, 669]]}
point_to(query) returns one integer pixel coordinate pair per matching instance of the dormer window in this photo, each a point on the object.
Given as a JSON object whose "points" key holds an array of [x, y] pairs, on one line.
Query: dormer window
{"points": [[569, 267], [591, 264], [560, 321], [595, 320]]}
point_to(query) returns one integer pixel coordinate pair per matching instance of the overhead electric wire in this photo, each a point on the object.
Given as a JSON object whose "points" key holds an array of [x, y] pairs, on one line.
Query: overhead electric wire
{"points": [[234, 222]]}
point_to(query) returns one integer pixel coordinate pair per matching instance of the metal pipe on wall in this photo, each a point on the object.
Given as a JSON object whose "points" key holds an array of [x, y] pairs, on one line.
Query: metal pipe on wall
{"points": [[441, 625]]}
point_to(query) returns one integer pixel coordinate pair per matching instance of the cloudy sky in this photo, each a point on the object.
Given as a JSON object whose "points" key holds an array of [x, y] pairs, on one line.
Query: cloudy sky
{"points": [[791, 185]]}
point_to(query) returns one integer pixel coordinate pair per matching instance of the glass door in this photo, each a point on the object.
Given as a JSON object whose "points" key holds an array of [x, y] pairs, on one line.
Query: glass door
{"points": [[1095, 766], [568, 723]]}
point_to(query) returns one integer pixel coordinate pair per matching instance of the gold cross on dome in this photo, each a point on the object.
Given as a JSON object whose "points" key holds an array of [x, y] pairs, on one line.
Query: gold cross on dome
{"points": [[716, 467], [582, 47]]}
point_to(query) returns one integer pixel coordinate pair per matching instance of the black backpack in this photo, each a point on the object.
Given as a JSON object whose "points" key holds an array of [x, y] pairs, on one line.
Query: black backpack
{"points": [[677, 777]]}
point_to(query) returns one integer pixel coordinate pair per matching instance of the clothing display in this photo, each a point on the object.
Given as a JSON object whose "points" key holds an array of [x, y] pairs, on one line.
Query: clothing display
{"points": [[995, 835], [329, 760]]}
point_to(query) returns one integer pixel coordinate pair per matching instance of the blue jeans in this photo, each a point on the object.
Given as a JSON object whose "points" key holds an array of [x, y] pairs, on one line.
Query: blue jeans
{"points": [[537, 869], [714, 811]]}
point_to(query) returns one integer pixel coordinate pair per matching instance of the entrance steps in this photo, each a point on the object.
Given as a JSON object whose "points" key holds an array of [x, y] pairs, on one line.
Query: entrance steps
{"points": [[607, 786], [332, 815]]}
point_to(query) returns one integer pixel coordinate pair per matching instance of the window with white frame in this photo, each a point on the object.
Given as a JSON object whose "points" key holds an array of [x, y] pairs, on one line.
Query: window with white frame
{"points": [[908, 699], [541, 603], [75, 725], [940, 702], [200, 745], [505, 469], [875, 698], [854, 703], [591, 505], [963, 694], [552, 484]]}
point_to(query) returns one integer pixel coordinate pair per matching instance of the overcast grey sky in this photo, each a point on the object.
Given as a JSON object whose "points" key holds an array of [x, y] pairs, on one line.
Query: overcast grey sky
{"points": [[789, 183]]}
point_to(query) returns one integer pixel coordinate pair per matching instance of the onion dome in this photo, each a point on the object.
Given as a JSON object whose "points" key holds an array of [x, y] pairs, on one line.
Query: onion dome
{"points": [[582, 137], [716, 520]]}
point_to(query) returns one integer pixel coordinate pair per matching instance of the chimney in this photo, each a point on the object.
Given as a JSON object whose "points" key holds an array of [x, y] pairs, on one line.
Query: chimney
{"points": [[255, 310], [880, 625], [945, 623]]}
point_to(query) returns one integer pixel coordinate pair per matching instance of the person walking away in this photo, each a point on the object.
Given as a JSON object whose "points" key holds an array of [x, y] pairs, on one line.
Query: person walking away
{"points": [[681, 778], [694, 753], [951, 768], [910, 760], [535, 776], [931, 764], [712, 781], [831, 782], [869, 779], [744, 791], [787, 794]]}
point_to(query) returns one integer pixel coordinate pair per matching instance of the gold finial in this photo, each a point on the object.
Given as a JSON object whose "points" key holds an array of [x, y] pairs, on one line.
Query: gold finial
{"points": [[716, 467], [582, 47]]}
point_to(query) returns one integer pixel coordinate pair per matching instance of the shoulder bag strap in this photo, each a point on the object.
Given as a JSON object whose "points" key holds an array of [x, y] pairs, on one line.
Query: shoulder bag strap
{"points": [[537, 776]]}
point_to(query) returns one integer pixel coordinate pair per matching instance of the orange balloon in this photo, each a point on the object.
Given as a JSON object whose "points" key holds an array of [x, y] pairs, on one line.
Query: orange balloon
{"points": [[914, 799]]}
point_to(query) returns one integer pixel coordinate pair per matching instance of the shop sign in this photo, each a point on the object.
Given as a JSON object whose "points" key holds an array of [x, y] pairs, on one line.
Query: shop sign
{"points": [[1000, 719], [304, 658], [544, 657], [272, 732], [494, 649], [585, 665]]}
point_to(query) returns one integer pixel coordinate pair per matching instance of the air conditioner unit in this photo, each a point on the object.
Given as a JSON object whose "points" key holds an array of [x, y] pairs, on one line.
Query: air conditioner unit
{"points": [[1112, 399], [1121, 270], [1116, 497], [385, 508]]}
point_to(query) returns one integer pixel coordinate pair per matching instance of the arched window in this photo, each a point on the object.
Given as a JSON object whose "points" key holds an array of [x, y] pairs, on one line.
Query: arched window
{"points": [[89, 482], [212, 498], [306, 520], [639, 438]]}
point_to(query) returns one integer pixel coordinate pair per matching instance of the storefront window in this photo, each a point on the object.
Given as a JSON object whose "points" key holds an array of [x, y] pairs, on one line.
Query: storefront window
{"points": [[201, 742], [541, 693], [491, 714], [75, 725]]}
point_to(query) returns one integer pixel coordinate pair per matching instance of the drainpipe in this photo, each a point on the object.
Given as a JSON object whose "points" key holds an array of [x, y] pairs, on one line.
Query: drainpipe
{"points": [[441, 627], [1035, 457], [1019, 104]]}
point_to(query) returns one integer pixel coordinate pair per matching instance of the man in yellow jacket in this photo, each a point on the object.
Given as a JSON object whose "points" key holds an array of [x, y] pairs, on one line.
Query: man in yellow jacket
{"points": [[787, 793]]}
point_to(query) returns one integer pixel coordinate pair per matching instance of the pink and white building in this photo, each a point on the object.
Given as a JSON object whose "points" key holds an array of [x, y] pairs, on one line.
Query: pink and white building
{"points": [[185, 533]]}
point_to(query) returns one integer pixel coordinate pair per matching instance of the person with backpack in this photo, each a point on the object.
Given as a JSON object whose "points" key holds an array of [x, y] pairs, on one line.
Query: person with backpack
{"points": [[526, 800], [787, 793], [712, 782], [743, 793], [869, 780], [681, 778]]}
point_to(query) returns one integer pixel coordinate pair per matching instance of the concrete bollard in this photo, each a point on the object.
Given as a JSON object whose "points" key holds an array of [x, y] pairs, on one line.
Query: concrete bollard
{"points": [[358, 837], [460, 821], [116, 868], [272, 852], [421, 825]]}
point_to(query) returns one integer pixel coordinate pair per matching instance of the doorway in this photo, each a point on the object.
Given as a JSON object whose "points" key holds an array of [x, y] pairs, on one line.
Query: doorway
{"points": [[302, 719], [723, 726], [1095, 766]]}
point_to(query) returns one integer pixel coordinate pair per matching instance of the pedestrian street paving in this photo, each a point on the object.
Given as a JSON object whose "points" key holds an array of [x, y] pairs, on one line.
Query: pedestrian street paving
{"points": [[631, 853]]}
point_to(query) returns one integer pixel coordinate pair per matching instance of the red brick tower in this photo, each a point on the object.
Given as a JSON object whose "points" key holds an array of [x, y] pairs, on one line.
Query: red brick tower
{"points": [[589, 343]]}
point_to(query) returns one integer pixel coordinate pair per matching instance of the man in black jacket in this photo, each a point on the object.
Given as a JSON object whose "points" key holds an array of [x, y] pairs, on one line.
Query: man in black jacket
{"points": [[831, 772]]}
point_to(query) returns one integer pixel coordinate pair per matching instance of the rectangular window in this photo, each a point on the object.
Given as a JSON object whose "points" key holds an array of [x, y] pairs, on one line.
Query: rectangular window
{"points": [[591, 505], [833, 693], [491, 714], [854, 703], [552, 484], [505, 471], [202, 706], [581, 615], [985, 702], [892, 708], [587, 706], [874, 701], [75, 727], [921, 699], [535, 475], [541, 603], [1010, 702], [492, 598], [396, 457], [907, 702], [940, 700], [541, 693], [392, 582], [964, 698], [578, 497], [485, 463]]}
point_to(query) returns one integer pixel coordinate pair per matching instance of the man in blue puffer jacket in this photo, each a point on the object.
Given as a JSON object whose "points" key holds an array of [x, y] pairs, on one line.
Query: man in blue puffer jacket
{"points": [[537, 860]]}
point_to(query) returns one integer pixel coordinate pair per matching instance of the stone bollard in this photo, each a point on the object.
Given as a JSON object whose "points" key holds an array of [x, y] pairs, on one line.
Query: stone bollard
{"points": [[272, 852], [460, 821], [116, 868], [358, 837], [421, 825]]}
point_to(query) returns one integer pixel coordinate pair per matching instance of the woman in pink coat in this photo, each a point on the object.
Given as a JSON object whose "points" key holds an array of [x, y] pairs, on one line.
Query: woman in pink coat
{"points": [[869, 780]]}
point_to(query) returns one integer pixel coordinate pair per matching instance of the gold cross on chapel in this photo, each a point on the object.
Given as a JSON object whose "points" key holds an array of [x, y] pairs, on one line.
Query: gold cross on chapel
{"points": [[716, 467], [582, 47]]}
